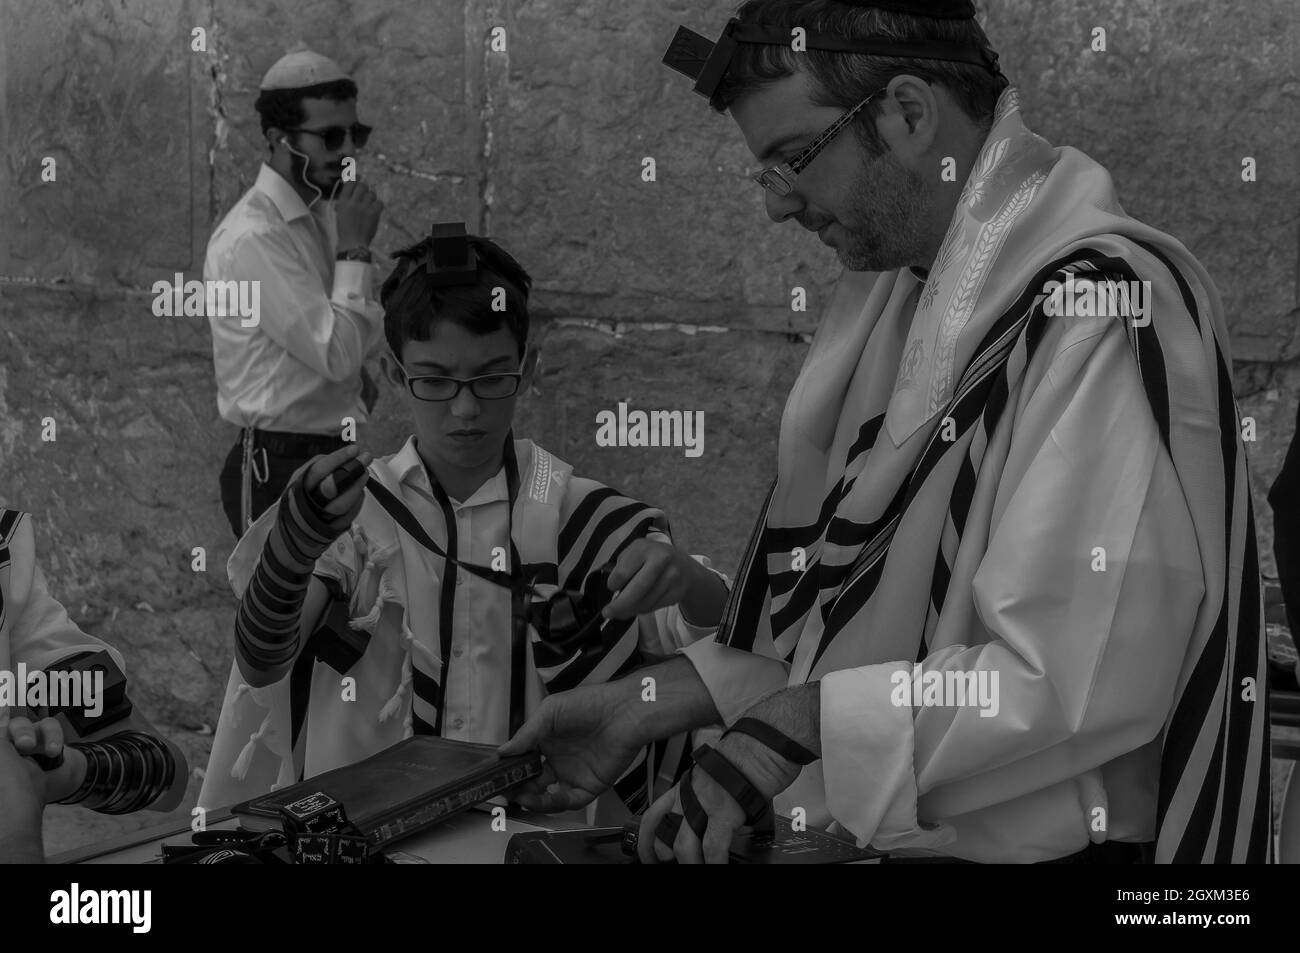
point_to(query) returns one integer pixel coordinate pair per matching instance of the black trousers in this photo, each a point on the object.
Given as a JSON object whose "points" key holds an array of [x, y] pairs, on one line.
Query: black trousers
{"points": [[276, 457], [1284, 497]]}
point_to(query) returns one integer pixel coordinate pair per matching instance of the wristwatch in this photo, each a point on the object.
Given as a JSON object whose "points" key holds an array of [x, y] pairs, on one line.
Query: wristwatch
{"points": [[356, 253]]}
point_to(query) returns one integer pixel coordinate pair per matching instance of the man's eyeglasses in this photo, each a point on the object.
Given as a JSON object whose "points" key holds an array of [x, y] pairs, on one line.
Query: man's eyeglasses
{"points": [[779, 178], [487, 387], [335, 136]]}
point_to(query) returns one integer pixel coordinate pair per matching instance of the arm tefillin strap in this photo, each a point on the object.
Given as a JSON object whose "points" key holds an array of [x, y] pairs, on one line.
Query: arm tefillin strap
{"points": [[758, 810], [706, 62], [764, 733]]}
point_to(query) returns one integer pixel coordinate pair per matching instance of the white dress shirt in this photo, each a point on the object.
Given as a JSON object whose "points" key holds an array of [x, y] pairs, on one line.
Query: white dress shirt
{"points": [[298, 368]]}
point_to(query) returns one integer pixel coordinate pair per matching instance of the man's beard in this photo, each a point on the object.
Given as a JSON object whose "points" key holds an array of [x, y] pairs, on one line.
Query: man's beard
{"points": [[890, 202], [323, 181]]}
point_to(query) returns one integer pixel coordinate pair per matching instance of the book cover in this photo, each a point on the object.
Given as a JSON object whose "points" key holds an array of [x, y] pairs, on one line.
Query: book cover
{"points": [[404, 789]]}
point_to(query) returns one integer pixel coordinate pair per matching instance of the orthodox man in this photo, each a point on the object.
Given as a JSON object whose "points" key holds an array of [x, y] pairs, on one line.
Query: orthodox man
{"points": [[1002, 601]]}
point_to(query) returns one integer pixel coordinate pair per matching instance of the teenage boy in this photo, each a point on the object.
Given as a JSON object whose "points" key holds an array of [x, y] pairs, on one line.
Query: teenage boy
{"points": [[463, 645]]}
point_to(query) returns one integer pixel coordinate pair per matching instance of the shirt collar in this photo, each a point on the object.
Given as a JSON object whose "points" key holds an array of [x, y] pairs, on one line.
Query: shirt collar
{"points": [[409, 469], [274, 186]]}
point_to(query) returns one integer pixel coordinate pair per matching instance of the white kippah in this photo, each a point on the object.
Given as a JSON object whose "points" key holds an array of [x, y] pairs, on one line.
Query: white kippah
{"points": [[301, 69]]}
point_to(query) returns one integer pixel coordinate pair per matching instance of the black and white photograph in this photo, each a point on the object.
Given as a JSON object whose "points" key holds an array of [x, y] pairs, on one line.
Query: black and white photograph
{"points": [[815, 432]]}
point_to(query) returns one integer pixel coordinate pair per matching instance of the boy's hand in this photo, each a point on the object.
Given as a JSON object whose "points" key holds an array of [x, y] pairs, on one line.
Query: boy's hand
{"points": [[651, 574], [45, 737], [317, 473]]}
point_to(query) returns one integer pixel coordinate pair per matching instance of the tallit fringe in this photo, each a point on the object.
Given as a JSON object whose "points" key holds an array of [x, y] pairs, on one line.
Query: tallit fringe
{"points": [[409, 643], [393, 704], [387, 593], [240, 769]]}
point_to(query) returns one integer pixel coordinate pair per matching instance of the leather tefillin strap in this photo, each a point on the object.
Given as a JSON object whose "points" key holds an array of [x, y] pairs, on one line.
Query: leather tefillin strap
{"points": [[125, 772], [315, 830], [757, 808], [706, 62], [764, 733]]}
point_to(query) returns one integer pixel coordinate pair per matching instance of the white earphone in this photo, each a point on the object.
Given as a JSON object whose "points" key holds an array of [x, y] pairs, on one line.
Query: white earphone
{"points": [[303, 174]]}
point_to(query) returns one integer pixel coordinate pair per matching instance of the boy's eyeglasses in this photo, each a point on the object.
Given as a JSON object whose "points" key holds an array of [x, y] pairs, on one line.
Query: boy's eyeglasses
{"points": [[487, 387], [335, 136], [779, 178]]}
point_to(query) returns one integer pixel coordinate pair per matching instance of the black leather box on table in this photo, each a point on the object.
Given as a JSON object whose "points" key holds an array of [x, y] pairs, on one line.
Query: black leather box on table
{"points": [[404, 789]]}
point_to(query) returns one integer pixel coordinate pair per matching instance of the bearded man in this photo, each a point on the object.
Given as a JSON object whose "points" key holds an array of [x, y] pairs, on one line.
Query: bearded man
{"points": [[1002, 602]]}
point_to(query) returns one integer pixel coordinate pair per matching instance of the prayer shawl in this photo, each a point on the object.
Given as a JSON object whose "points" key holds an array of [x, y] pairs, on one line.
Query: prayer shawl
{"points": [[564, 527], [34, 627], [878, 491]]}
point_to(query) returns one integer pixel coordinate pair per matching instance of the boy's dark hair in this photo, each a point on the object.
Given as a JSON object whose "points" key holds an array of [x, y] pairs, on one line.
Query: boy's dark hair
{"points": [[413, 304], [845, 79], [282, 108]]}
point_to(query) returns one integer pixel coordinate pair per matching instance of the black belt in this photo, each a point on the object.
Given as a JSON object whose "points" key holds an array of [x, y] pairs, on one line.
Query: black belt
{"points": [[294, 444], [1107, 852]]}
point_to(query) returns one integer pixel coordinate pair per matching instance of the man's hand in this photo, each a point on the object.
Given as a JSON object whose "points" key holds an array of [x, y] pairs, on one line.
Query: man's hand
{"points": [[651, 574], [794, 713], [45, 737], [765, 769], [589, 739], [357, 210]]}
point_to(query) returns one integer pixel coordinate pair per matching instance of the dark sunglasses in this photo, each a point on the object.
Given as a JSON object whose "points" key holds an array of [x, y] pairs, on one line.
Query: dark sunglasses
{"points": [[335, 136]]}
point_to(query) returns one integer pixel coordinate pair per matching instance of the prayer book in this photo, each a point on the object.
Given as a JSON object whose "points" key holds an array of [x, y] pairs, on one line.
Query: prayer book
{"points": [[402, 790]]}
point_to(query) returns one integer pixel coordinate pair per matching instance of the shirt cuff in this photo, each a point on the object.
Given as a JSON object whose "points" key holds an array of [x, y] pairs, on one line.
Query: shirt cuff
{"points": [[350, 278], [736, 680], [867, 759]]}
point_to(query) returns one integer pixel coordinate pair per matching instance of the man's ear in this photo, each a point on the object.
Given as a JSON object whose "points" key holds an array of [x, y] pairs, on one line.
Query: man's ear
{"points": [[392, 372], [910, 117]]}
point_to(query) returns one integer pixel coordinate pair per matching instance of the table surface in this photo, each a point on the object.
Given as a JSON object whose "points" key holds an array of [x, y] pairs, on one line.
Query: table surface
{"points": [[467, 838]]}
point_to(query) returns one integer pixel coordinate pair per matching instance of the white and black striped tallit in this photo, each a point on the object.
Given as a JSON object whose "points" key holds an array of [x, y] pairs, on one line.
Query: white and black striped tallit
{"points": [[1213, 802]]}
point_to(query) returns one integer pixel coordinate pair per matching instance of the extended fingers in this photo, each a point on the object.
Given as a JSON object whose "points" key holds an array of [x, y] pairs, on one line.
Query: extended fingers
{"points": [[50, 735], [646, 590], [23, 735]]}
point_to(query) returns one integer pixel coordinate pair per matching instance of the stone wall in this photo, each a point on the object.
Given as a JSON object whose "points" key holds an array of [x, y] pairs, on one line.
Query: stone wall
{"points": [[667, 294]]}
